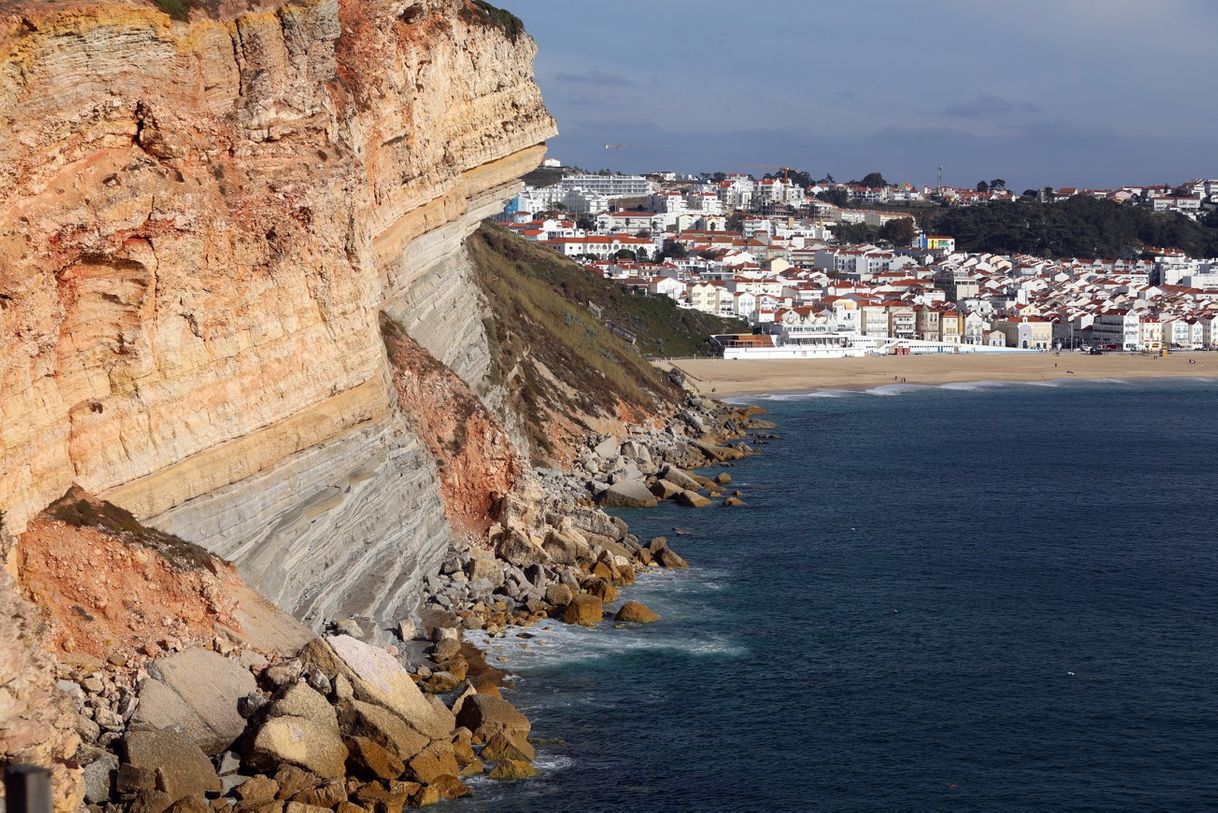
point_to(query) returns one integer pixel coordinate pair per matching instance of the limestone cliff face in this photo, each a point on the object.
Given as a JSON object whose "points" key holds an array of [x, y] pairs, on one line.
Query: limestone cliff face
{"points": [[201, 224]]}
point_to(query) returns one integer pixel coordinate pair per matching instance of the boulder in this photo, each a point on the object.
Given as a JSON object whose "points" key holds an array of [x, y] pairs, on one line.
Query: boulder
{"points": [[434, 761], [680, 478], [195, 692], [733, 502], [301, 807], [669, 558], [488, 570], [635, 612], [299, 741], [383, 727], [511, 770], [387, 796], [294, 780], [179, 766], [450, 787], [188, 804], [608, 449], [723, 478], [559, 595], [563, 547], [692, 499], [628, 494], [515, 548], [369, 760], [665, 489], [99, 778], [257, 789], [584, 609], [486, 715], [377, 677], [325, 796], [303, 701], [600, 588], [636, 451], [718, 453], [443, 650], [508, 745]]}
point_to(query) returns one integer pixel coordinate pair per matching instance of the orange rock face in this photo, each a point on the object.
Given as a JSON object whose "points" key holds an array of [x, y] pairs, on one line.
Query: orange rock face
{"points": [[478, 465], [198, 223], [110, 588]]}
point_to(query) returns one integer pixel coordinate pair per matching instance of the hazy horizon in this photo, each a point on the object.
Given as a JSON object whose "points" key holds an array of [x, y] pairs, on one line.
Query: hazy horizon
{"points": [[1076, 93]]}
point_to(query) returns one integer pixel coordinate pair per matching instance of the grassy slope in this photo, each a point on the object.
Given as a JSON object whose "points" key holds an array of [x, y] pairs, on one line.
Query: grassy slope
{"points": [[555, 357], [662, 329]]}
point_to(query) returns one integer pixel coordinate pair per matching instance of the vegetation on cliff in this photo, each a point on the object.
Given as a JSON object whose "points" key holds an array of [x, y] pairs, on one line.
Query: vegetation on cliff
{"points": [[555, 357], [483, 12], [180, 9], [1075, 227], [660, 328]]}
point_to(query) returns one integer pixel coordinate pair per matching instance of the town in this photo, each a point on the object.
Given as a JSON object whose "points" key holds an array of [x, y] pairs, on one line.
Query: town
{"points": [[782, 255]]}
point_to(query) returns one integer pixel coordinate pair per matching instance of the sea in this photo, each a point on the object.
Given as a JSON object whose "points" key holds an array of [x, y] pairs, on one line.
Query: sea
{"points": [[966, 597]]}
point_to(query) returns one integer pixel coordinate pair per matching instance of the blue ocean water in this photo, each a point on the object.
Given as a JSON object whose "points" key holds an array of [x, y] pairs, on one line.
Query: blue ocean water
{"points": [[975, 597]]}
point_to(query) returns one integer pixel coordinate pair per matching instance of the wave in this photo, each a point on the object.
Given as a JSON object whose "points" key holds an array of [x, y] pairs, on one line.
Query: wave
{"points": [[974, 386], [887, 390], [803, 396], [561, 644]]}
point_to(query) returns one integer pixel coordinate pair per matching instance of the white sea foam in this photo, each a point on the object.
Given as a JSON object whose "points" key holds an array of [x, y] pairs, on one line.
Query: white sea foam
{"points": [[973, 386], [896, 389], [559, 643]]}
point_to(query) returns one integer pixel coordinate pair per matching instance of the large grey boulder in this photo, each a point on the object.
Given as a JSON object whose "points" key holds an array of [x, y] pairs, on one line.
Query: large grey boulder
{"points": [[99, 778], [608, 449], [195, 693], [628, 494], [636, 451]]}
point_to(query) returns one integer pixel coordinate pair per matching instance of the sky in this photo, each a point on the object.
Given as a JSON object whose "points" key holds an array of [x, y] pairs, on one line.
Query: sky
{"points": [[1036, 92]]}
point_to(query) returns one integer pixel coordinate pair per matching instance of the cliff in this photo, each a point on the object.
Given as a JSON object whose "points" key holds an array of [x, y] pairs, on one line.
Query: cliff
{"points": [[202, 223], [240, 310]]}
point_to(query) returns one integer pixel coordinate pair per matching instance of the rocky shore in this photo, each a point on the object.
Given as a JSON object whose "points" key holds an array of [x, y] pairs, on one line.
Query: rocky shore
{"points": [[368, 718]]}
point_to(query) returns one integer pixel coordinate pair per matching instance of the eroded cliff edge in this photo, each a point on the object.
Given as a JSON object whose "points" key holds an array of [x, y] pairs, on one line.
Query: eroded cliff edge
{"points": [[201, 225]]}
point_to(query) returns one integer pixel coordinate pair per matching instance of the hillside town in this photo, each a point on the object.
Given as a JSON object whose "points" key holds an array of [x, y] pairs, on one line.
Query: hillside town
{"points": [[774, 254]]}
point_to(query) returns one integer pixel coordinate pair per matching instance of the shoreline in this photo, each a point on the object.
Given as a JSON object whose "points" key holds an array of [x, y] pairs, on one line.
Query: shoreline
{"points": [[736, 378]]}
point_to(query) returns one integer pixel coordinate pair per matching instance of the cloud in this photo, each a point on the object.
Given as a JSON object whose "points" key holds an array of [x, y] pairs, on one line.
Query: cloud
{"points": [[987, 105], [1028, 155], [595, 78]]}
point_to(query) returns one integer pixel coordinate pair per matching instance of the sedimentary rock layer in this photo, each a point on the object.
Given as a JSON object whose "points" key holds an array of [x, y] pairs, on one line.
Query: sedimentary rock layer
{"points": [[201, 223]]}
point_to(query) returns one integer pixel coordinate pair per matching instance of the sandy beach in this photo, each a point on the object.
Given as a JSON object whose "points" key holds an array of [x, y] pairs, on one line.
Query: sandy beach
{"points": [[737, 377]]}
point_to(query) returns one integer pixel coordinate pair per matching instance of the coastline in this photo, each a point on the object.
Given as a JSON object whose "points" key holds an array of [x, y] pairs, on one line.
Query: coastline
{"points": [[723, 378]]}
